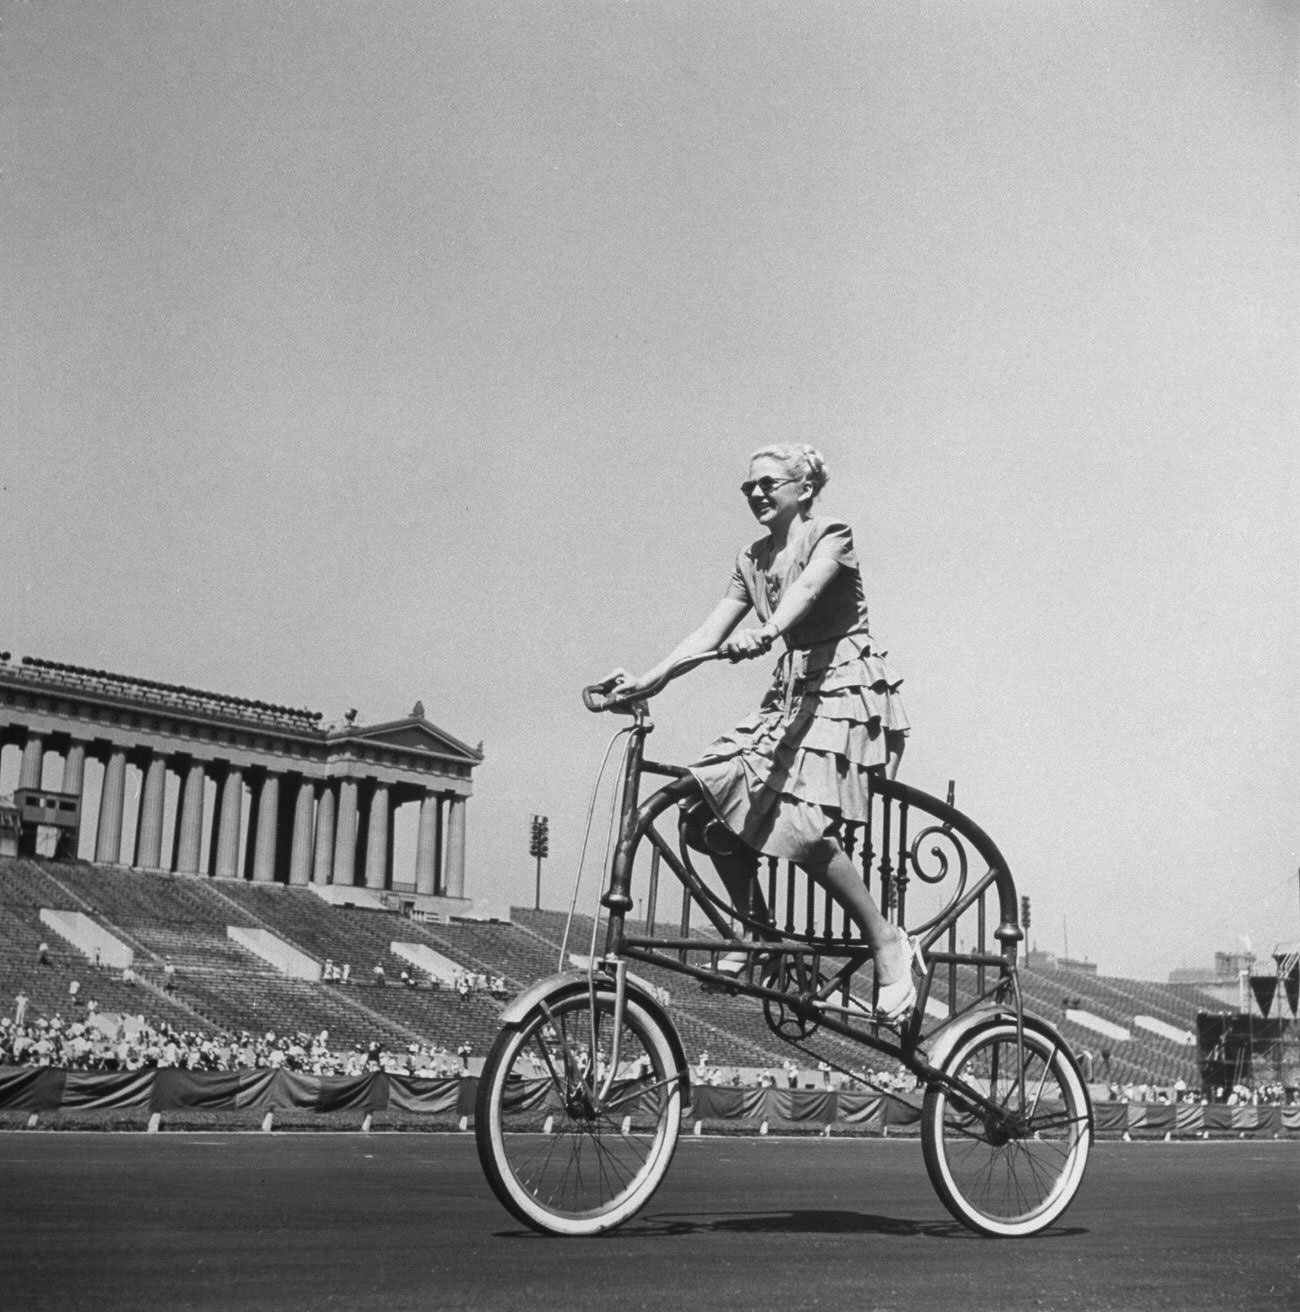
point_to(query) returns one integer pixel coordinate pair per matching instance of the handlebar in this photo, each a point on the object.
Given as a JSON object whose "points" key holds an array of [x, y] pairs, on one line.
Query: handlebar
{"points": [[598, 697]]}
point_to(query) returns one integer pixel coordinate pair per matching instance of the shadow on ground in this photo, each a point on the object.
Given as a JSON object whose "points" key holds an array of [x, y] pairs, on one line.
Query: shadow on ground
{"points": [[815, 1222]]}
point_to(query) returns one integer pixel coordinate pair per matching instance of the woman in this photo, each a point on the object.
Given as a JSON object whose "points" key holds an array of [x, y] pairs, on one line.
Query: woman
{"points": [[783, 780]]}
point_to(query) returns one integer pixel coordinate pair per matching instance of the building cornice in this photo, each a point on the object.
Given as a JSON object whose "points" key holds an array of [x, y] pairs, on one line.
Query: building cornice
{"points": [[87, 704]]}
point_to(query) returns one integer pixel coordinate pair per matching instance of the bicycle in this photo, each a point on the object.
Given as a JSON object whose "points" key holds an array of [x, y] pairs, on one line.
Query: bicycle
{"points": [[580, 1102]]}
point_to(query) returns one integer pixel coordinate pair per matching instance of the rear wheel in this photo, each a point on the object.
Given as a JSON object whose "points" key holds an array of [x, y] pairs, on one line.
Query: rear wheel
{"points": [[1014, 1170], [568, 1150]]}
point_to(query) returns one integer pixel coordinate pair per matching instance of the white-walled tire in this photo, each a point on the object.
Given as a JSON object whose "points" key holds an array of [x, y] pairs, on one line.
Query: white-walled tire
{"points": [[1009, 1176], [560, 1159]]}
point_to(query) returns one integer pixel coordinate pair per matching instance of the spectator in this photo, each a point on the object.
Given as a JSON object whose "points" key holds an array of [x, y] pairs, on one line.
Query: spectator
{"points": [[345, 974], [128, 976], [74, 988], [20, 1009], [462, 986], [43, 954], [379, 976], [327, 973]]}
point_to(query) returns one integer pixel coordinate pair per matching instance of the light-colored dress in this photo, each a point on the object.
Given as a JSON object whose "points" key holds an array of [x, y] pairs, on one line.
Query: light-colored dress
{"points": [[785, 776]]}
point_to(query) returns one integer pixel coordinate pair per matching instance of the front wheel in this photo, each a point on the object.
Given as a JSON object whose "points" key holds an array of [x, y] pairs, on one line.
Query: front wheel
{"points": [[569, 1146], [1013, 1168]]}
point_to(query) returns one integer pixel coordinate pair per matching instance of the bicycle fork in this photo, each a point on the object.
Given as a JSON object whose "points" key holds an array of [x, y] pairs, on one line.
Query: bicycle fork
{"points": [[586, 1089]]}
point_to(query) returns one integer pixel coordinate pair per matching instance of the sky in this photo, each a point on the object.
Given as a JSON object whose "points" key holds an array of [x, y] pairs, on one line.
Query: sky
{"points": [[355, 355]]}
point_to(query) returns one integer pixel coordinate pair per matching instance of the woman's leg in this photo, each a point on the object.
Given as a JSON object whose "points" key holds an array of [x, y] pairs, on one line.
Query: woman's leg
{"points": [[839, 876], [895, 743], [739, 873], [735, 861]]}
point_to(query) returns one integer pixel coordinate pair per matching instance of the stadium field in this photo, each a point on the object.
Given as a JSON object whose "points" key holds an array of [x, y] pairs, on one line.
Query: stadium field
{"points": [[235, 1222]]}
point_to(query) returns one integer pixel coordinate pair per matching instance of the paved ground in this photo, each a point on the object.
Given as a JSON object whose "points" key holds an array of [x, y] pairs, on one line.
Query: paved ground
{"points": [[233, 1223]]}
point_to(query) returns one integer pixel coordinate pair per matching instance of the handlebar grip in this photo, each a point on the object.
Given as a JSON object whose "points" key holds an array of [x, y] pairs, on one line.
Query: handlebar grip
{"points": [[596, 696]]}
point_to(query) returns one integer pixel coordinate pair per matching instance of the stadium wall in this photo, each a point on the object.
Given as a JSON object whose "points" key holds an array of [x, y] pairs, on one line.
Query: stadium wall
{"points": [[48, 1089]]}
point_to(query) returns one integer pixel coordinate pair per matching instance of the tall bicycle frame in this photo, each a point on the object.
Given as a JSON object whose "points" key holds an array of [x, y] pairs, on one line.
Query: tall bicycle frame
{"points": [[1006, 1121]]}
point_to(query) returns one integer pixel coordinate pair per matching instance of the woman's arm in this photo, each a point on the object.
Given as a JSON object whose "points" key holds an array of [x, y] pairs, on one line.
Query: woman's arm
{"points": [[800, 597], [721, 620]]}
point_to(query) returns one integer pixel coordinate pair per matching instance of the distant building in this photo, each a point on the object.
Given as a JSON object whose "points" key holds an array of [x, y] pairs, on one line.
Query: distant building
{"points": [[1228, 969], [244, 789]]}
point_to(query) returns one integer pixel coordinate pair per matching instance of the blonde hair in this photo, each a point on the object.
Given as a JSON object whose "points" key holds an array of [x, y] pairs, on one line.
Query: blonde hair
{"points": [[799, 461]]}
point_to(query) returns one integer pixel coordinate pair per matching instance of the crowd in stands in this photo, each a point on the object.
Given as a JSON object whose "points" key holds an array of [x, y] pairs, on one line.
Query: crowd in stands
{"points": [[789, 1076], [1271, 1094], [464, 982], [134, 1045]]}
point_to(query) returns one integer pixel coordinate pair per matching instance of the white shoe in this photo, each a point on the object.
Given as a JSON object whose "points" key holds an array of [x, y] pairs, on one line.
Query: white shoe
{"points": [[896, 1001]]}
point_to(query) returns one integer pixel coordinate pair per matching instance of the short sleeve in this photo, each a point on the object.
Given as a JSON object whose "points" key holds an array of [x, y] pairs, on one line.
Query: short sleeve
{"points": [[738, 587], [833, 541]]}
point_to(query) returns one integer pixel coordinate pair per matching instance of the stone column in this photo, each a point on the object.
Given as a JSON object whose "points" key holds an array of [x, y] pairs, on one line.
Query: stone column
{"points": [[108, 836], [33, 766], [456, 847], [304, 815], [268, 819], [345, 834], [377, 838], [74, 781], [149, 830], [218, 799], [392, 841], [426, 846], [323, 862], [189, 840], [74, 769], [230, 820]]}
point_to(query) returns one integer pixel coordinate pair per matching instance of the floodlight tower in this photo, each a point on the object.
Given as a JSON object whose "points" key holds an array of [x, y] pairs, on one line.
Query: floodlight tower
{"points": [[539, 843]]}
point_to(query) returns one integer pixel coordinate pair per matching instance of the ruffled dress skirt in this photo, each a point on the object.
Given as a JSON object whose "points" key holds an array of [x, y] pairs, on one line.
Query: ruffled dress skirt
{"points": [[785, 777]]}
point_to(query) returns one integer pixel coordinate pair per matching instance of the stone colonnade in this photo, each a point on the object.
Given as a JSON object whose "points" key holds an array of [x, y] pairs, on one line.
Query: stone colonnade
{"points": [[262, 793], [301, 830]]}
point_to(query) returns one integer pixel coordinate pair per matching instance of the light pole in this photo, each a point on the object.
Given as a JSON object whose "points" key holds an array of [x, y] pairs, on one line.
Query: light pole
{"points": [[539, 846]]}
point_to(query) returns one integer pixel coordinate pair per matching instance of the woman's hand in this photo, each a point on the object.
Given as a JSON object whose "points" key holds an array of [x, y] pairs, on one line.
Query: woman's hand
{"points": [[619, 683], [748, 643]]}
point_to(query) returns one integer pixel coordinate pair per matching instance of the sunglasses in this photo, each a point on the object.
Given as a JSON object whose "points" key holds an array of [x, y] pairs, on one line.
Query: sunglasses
{"points": [[765, 485]]}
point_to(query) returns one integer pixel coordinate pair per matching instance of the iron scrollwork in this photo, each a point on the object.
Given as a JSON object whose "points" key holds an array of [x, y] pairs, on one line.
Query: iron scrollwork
{"points": [[934, 864]]}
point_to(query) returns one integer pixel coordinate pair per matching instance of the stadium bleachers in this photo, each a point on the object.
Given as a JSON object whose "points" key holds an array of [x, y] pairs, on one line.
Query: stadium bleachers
{"points": [[217, 984], [226, 987]]}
